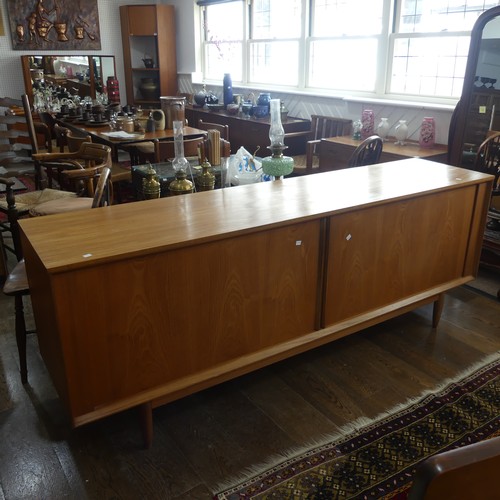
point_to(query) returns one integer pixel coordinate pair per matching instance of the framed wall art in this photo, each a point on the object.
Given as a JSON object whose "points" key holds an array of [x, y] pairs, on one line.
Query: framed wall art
{"points": [[54, 24]]}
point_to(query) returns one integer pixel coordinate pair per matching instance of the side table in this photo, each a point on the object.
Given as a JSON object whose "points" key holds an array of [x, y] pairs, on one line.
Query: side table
{"points": [[335, 152]]}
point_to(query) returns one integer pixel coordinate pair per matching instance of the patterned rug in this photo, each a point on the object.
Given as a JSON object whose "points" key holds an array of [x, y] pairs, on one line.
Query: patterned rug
{"points": [[380, 459]]}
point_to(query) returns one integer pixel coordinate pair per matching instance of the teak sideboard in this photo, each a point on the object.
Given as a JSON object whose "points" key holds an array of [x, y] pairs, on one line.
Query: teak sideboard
{"points": [[143, 303]]}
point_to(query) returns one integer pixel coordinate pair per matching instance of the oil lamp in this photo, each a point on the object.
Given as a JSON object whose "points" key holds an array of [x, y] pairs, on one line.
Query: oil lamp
{"points": [[277, 165]]}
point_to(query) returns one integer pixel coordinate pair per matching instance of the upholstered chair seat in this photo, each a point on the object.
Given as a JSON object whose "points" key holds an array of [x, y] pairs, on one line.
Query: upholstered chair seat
{"points": [[61, 205], [27, 201]]}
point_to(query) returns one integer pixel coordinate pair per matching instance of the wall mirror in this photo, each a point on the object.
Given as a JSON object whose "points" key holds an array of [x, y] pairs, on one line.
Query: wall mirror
{"points": [[82, 75], [478, 110]]}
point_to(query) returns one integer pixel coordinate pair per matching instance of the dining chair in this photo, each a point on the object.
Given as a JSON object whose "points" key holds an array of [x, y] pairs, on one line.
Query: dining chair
{"points": [[469, 472], [367, 153], [487, 161], [223, 129], [16, 283], [119, 173], [86, 164], [322, 127]]}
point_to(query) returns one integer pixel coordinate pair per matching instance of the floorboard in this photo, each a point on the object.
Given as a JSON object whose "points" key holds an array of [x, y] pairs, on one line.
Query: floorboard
{"points": [[205, 439]]}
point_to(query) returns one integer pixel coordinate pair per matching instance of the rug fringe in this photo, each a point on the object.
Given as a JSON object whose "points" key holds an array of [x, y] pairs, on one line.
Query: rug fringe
{"points": [[350, 429]]}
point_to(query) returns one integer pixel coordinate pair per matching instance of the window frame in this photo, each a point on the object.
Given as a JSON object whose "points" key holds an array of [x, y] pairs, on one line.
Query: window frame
{"points": [[383, 78]]}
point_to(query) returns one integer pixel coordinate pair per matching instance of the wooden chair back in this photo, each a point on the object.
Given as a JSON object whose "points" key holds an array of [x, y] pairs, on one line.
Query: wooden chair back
{"points": [[322, 127], [74, 141], [165, 150], [90, 157], [102, 193], [368, 152], [329, 126], [38, 132], [223, 129], [488, 159], [469, 472]]}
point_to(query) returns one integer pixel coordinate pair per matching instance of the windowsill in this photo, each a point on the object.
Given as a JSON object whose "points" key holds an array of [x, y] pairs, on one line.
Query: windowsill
{"points": [[401, 103]]}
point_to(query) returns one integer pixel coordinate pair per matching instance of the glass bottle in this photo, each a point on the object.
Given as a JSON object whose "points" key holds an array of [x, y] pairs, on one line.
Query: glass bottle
{"points": [[179, 162], [356, 130]]}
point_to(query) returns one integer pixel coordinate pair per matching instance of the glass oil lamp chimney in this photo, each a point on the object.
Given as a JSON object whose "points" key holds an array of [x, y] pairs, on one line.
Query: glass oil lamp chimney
{"points": [[180, 185], [277, 165], [180, 162]]}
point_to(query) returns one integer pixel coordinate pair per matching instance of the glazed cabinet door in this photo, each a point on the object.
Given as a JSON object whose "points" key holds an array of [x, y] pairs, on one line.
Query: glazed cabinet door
{"points": [[382, 254]]}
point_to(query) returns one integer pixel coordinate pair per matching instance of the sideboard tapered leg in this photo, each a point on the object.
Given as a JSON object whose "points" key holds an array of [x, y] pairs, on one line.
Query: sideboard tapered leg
{"points": [[437, 310], [146, 410]]}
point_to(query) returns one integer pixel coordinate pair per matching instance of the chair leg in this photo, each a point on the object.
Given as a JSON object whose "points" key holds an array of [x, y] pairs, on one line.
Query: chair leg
{"points": [[21, 336]]}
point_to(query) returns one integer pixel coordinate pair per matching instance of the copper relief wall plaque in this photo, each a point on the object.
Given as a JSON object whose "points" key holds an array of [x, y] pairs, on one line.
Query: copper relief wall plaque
{"points": [[54, 24]]}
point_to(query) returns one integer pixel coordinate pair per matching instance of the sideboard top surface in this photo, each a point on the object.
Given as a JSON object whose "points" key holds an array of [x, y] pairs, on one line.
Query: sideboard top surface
{"points": [[80, 239]]}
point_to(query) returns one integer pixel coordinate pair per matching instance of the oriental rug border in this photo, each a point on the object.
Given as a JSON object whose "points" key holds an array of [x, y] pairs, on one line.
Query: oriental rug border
{"points": [[378, 459]]}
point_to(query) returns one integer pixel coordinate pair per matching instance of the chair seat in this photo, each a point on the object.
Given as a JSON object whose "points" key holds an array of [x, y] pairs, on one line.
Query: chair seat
{"points": [[119, 173], [61, 205], [27, 201], [17, 280]]}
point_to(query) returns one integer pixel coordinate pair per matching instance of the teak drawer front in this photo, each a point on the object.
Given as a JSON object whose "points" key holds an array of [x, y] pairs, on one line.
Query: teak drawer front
{"points": [[152, 320], [384, 253]]}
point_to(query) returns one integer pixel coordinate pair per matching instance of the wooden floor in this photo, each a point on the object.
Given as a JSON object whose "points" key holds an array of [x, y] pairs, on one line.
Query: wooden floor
{"points": [[207, 438]]}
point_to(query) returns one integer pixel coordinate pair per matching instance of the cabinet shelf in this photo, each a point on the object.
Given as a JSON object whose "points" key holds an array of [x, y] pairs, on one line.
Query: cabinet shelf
{"points": [[148, 31]]}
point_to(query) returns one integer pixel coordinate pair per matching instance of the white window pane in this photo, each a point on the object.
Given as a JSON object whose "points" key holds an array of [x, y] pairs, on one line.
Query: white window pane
{"points": [[424, 16], [223, 58], [217, 27], [276, 19], [347, 17], [274, 63], [428, 66], [334, 65]]}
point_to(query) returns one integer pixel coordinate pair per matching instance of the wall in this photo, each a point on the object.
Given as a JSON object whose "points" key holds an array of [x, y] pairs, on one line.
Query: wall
{"points": [[300, 105]]}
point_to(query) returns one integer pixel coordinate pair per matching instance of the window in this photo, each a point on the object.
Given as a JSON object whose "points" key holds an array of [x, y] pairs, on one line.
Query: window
{"points": [[223, 27], [431, 44], [411, 49]]}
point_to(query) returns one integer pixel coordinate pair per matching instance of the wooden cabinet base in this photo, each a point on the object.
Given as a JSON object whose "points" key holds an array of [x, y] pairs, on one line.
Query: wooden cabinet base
{"points": [[140, 304]]}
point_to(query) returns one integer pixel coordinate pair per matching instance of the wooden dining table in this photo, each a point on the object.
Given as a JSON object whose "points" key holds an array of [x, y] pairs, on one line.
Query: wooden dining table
{"points": [[101, 134]]}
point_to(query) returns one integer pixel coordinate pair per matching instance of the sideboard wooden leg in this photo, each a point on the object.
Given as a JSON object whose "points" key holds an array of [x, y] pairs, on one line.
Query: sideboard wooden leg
{"points": [[146, 411], [437, 310]]}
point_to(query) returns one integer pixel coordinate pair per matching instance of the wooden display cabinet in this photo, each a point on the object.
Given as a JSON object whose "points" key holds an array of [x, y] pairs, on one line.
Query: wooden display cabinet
{"points": [[148, 31]]}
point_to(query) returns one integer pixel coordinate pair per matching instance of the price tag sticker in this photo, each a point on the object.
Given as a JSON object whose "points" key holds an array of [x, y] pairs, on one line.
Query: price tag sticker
{"points": [[482, 110]]}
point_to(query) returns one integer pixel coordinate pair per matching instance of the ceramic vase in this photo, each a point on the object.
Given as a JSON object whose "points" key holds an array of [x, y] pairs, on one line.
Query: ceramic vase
{"points": [[367, 124], [401, 132], [149, 89], [264, 99], [427, 132], [383, 128]]}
